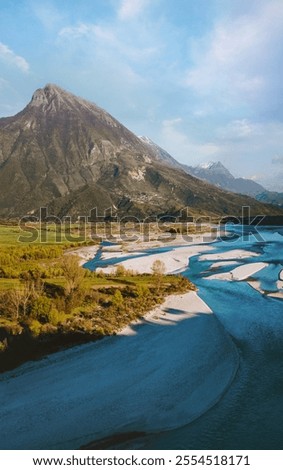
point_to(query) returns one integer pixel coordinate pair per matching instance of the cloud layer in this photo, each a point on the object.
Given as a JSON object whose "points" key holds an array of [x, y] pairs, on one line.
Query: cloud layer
{"points": [[202, 79], [9, 57], [130, 9], [238, 63]]}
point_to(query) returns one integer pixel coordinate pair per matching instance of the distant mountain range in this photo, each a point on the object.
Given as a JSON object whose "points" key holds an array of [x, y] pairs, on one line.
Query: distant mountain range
{"points": [[67, 154], [271, 197], [217, 174]]}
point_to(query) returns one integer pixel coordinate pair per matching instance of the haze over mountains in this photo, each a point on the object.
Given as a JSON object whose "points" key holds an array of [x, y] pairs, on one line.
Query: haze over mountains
{"points": [[67, 154], [216, 174]]}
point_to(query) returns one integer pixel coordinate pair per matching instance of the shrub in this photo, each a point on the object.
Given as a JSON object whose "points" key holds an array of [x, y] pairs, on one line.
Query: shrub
{"points": [[3, 346], [35, 327], [117, 300], [55, 317], [142, 292], [41, 308], [85, 310], [120, 271]]}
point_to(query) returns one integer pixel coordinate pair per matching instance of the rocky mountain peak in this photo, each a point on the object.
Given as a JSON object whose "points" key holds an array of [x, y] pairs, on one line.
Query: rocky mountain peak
{"points": [[43, 96], [55, 102], [212, 168], [53, 99]]}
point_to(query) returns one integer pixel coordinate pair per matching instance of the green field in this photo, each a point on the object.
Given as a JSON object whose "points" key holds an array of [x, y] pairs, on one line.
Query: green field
{"points": [[18, 254], [47, 301]]}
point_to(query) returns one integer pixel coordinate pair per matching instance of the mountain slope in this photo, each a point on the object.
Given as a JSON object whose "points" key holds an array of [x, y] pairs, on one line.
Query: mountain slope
{"points": [[216, 173], [160, 154], [271, 197], [69, 155]]}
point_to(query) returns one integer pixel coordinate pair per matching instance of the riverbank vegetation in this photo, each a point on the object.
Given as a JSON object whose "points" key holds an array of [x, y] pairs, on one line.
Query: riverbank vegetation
{"points": [[48, 302]]}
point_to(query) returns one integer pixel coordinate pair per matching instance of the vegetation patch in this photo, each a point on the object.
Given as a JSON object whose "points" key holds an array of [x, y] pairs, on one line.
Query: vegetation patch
{"points": [[48, 301]]}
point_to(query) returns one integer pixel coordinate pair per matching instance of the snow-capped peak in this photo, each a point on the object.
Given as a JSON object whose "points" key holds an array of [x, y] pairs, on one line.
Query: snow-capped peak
{"points": [[206, 166]]}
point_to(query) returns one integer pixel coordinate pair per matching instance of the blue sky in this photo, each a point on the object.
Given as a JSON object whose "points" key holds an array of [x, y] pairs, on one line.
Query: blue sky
{"points": [[202, 78]]}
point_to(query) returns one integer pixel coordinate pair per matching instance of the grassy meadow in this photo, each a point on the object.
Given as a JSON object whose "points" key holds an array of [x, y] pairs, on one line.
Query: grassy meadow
{"points": [[47, 301]]}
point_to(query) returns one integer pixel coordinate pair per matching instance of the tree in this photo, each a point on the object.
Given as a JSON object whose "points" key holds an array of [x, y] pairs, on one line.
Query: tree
{"points": [[120, 271], [32, 281], [118, 300], [158, 269], [16, 302], [73, 273]]}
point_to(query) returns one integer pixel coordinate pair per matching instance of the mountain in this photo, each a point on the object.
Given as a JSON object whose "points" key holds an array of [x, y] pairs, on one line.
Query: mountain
{"points": [[161, 154], [67, 154], [271, 197], [216, 173]]}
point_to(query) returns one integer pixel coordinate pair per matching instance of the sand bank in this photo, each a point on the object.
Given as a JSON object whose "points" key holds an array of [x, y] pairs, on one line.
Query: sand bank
{"points": [[132, 248], [175, 260], [240, 273], [220, 264], [280, 281], [257, 286], [172, 240], [85, 253], [228, 255], [118, 254]]}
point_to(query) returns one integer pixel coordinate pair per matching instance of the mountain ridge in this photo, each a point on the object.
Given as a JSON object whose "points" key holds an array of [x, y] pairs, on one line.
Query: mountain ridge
{"points": [[218, 175], [68, 154]]}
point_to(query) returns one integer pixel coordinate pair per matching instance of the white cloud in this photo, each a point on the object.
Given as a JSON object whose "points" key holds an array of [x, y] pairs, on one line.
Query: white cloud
{"points": [[239, 59], [238, 129], [130, 9], [170, 123], [242, 145], [8, 56], [256, 177], [47, 14], [75, 32], [181, 146], [107, 40], [224, 64], [246, 146]]}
